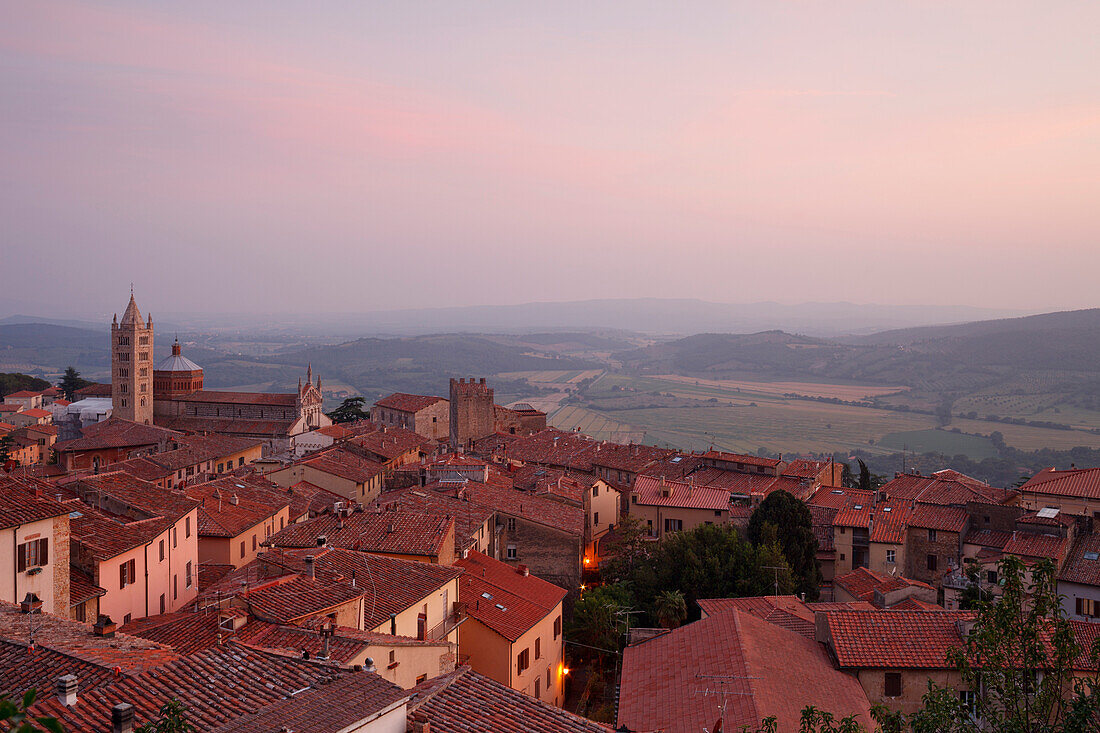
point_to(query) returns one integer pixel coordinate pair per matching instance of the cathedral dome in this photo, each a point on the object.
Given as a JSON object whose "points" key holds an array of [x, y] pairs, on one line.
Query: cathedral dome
{"points": [[177, 362]]}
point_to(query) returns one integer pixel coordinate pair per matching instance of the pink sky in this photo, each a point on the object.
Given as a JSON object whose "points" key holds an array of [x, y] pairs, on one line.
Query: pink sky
{"points": [[365, 156]]}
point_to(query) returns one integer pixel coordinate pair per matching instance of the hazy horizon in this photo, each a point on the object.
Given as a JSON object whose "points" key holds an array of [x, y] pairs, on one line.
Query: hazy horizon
{"points": [[366, 157]]}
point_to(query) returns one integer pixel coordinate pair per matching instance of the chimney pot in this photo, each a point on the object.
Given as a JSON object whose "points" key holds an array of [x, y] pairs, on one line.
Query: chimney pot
{"points": [[104, 627], [67, 687], [309, 566], [31, 604], [523, 570], [122, 718]]}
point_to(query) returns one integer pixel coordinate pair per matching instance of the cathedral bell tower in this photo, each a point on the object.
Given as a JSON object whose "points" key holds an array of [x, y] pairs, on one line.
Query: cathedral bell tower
{"points": [[132, 366]]}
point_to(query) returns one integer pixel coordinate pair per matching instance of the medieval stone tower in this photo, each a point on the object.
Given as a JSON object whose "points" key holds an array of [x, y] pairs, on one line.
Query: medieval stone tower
{"points": [[471, 412], [132, 366]]}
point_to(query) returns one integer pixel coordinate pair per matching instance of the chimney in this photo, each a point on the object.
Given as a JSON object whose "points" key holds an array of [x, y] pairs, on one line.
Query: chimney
{"points": [[309, 567], [31, 604], [523, 570], [390, 528], [393, 624], [67, 690], [322, 540], [368, 665], [483, 380], [104, 627], [234, 500], [122, 718], [422, 627]]}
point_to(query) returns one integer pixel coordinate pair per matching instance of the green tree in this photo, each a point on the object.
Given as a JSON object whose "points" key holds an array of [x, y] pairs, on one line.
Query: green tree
{"points": [[974, 594], [794, 531], [349, 410], [864, 476], [70, 383], [627, 546], [173, 719], [5, 448], [14, 382], [670, 608], [1019, 659], [598, 624], [15, 716]]}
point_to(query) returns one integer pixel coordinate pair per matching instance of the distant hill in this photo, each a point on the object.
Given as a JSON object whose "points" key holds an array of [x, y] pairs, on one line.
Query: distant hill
{"points": [[41, 347], [1055, 353]]}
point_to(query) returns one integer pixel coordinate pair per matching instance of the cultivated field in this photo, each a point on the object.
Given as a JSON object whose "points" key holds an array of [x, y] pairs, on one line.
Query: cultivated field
{"points": [[848, 392], [553, 377], [597, 425], [745, 416]]}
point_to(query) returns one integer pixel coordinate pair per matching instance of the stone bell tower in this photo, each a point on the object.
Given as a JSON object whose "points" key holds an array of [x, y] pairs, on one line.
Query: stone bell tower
{"points": [[132, 366]]}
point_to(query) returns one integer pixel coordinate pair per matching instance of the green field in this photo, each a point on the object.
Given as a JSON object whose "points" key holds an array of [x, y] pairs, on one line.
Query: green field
{"points": [[746, 417], [596, 425], [940, 441]]}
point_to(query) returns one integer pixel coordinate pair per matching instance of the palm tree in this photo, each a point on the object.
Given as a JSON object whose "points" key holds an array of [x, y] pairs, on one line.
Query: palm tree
{"points": [[671, 608]]}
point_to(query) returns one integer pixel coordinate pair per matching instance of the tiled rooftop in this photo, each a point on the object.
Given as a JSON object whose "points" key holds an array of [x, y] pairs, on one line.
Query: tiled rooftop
{"points": [[403, 402], [465, 701], [116, 433], [392, 532], [650, 492], [1079, 483], [760, 665], [895, 639], [1082, 564], [502, 598]]}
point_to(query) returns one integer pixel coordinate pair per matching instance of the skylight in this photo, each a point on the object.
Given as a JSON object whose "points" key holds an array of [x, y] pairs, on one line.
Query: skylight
{"points": [[858, 506], [487, 596], [1092, 555], [886, 509], [1049, 512], [502, 608], [75, 515]]}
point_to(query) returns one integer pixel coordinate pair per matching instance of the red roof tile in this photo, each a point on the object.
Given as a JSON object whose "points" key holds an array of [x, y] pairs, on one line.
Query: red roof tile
{"points": [[389, 443], [650, 492], [862, 583], [465, 701], [440, 500], [389, 532], [242, 398], [1082, 564], [82, 588], [742, 458], [758, 663], [23, 501], [946, 488], [1080, 482], [339, 461], [525, 505], [1028, 545], [787, 612], [187, 631], [894, 639], [117, 433], [940, 518], [404, 402], [502, 598]]}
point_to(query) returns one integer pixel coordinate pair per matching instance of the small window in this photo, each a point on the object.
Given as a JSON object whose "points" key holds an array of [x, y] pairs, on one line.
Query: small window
{"points": [[33, 554], [512, 555], [253, 542], [421, 678], [523, 661], [557, 627], [242, 548], [187, 526], [162, 602], [891, 556], [127, 618], [187, 577], [595, 491], [538, 647], [596, 518], [932, 563], [538, 683], [985, 520], [162, 550], [991, 576], [931, 535], [717, 512], [892, 684], [511, 524], [633, 499], [547, 679]]}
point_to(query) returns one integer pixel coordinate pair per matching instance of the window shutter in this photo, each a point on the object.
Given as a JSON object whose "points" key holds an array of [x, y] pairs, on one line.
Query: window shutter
{"points": [[122, 575], [22, 557], [44, 554]]}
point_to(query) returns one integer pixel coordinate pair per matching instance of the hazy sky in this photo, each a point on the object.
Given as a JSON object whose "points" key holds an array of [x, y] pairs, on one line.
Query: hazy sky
{"points": [[362, 156]]}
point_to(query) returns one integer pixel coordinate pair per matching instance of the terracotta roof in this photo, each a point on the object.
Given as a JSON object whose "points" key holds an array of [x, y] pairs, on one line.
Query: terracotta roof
{"points": [[840, 498], [649, 490], [805, 468], [1058, 520], [297, 597], [94, 390], [1082, 564], [552, 447], [745, 484], [515, 602], [307, 498], [862, 583], [336, 706], [293, 640], [389, 443], [10, 408], [242, 398], [390, 585], [744, 458], [211, 572], [64, 640], [987, 538], [891, 518], [339, 461], [1080, 482], [941, 518], [946, 488], [152, 500], [36, 412], [762, 663], [24, 501], [464, 701], [525, 505], [788, 612], [82, 588], [390, 532], [105, 536], [235, 426], [440, 500], [895, 639], [1028, 545], [408, 402], [114, 432], [227, 507], [219, 685], [631, 458], [186, 631]]}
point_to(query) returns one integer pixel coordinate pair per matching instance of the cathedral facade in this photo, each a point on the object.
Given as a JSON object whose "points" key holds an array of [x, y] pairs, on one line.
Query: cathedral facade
{"points": [[171, 394]]}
